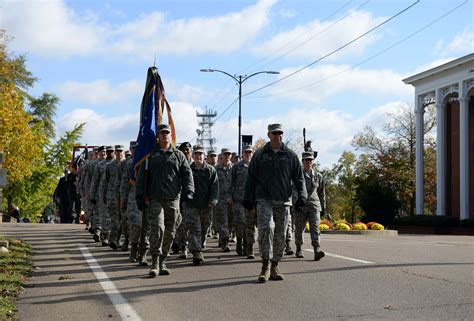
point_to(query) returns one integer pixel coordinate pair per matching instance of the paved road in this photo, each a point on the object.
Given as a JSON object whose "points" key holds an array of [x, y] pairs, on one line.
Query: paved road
{"points": [[397, 278]]}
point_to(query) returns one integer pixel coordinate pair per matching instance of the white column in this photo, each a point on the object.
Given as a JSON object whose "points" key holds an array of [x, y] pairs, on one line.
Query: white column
{"points": [[464, 157], [420, 192], [440, 155]]}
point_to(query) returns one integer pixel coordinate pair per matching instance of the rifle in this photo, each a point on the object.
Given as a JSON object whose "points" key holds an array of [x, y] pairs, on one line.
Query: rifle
{"points": [[142, 245]]}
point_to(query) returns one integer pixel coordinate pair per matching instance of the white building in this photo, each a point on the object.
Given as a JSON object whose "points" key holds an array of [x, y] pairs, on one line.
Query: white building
{"points": [[451, 87]]}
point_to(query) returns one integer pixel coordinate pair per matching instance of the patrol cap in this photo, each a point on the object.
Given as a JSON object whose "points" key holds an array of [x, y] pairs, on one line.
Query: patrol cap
{"points": [[308, 155], [226, 151], [198, 149], [163, 127], [275, 128], [185, 145], [94, 150], [133, 144], [212, 153], [101, 148], [247, 148], [119, 148], [110, 149]]}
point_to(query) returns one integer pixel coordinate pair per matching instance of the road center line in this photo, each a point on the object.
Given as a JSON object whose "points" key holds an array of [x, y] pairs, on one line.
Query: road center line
{"points": [[126, 311], [343, 257]]}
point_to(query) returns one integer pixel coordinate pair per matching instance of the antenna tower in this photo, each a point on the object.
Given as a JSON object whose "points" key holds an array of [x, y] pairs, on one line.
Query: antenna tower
{"points": [[205, 132]]}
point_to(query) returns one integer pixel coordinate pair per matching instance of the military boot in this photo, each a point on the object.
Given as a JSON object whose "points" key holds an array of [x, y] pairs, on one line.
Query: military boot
{"points": [[133, 253], [299, 253], [250, 254], [238, 248], [154, 266], [124, 246], [265, 273], [197, 258], [288, 249], [143, 259], [318, 254], [113, 245], [274, 273], [162, 265]]}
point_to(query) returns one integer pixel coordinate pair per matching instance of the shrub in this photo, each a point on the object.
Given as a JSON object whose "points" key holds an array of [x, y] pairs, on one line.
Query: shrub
{"points": [[323, 227], [328, 223], [342, 227]]}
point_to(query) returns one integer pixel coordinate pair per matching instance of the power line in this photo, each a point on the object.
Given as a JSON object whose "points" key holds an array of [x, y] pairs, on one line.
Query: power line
{"points": [[371, 57], [315, 35], [336, 50]]}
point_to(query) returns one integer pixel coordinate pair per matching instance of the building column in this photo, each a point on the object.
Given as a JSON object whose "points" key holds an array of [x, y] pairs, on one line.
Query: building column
{"points": [[420, 192], [440, 155], [464, 157]]}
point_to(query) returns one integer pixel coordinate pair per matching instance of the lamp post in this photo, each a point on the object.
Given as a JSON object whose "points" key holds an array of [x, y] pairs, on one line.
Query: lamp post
{"points": [[240, 79]]}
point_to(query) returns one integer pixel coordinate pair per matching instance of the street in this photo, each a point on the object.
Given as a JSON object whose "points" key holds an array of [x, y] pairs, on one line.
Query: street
{"points": [[361, 278]]}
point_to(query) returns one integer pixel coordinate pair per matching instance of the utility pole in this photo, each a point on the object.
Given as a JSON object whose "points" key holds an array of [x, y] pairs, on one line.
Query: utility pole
{"points": [[240, 79]]}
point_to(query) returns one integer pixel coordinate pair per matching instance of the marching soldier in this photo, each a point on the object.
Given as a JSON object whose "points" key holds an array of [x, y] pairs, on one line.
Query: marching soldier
{"points": [[241, 215], [223, 211], [205, 198], [129, 206], [93, 193], [111, 196], [311, 212], [271, 173], [169, 177]]}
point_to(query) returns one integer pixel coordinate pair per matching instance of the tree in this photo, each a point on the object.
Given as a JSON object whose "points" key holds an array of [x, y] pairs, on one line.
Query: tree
{"points": [[392, 153]]}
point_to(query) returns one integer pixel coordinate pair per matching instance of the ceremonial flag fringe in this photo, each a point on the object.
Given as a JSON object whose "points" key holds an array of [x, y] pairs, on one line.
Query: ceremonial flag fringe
{"points": [[151, 115]]}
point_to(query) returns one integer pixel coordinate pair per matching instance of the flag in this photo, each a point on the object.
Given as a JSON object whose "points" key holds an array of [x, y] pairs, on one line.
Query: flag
{"points": [[151, 115]]}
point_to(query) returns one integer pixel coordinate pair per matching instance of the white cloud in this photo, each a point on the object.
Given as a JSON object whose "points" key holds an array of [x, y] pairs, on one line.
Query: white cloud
{"points": [[50, 28], [103, 129], [320, 38], [328, 80], [101, 91], [462, 43]]}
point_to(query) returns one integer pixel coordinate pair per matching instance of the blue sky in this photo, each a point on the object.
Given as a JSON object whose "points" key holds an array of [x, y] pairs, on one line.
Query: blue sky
{"points": [[94, 55]]}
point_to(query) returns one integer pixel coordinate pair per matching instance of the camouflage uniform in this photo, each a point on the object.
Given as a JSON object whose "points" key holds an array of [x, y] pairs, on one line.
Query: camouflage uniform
{"points": [[311, 212], [82, 188], [223, 214], [123, 228], [93, 193], [112, 196], [244, 220], [197, 211], [169, 174], [98, 189], [269, 183]]}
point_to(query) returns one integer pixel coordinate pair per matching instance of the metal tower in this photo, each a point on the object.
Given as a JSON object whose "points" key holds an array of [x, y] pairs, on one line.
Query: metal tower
{"points": [[205, 132]]}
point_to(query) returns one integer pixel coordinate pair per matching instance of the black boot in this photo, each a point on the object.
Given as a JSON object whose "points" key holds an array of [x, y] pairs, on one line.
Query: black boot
{"points": [[250, 254], [124, 246], [288, 249], [239, 246]]}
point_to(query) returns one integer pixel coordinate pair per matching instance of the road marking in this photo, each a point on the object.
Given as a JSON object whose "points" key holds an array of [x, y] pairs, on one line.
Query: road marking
{"points": [[126, 311], [343, 257]]}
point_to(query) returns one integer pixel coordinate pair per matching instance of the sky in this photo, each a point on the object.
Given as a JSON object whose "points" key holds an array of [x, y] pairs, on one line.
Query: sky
{"points": [[340, 62]]}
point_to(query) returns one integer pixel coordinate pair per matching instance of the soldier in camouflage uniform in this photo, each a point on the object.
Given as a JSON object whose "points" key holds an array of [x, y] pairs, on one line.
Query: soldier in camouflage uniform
{"points": [[311, 212], [223, 211], [123, 228], [169, 176], [83, 173], [211, 159], [205, 198], [93, 193], [182, 232], [112, 195], [271, 173], [98, 189], [241, 215], [129, 206]]}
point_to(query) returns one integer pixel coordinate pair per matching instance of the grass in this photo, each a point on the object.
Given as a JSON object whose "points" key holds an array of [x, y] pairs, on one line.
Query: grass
{"points": [[15, 267]]}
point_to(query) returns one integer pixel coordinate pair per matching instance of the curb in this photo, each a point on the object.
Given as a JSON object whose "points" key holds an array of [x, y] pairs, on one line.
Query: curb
{"points": [[363, 232]]}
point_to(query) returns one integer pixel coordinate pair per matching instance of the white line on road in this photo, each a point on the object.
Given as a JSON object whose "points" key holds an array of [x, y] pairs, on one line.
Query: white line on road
{"points": [[126, 311], [344, 257]]}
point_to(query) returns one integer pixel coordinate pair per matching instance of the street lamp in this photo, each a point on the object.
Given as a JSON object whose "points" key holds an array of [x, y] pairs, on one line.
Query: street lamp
{"points": [[240, 79]]}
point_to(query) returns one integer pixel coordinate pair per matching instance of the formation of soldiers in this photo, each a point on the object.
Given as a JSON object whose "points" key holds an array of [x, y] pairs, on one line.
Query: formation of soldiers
{"points": [[182, 197]]}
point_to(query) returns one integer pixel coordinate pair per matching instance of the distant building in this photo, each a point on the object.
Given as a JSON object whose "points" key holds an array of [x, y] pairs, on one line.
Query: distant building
{"points": [[451, 88]]}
